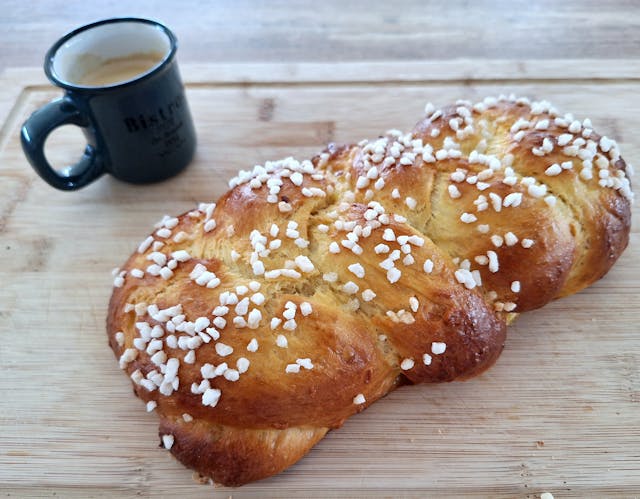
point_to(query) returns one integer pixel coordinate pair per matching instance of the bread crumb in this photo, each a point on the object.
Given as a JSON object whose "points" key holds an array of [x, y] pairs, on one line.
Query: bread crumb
{"points": [[200, 479]]}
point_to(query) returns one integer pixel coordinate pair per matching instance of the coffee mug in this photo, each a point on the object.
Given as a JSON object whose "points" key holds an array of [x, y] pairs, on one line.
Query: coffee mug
{"points": [[123, 89]]}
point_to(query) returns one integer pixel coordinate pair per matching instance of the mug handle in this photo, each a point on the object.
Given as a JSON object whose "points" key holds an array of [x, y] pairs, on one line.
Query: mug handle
{"points": [[34, 134]]}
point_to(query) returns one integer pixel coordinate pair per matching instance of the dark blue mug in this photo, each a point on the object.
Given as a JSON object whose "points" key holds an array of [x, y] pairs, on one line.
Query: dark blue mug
{"points": [[123, 89]]}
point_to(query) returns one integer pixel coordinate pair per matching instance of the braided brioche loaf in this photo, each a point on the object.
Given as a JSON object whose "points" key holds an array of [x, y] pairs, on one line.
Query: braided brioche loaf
{"points": [[313, 288]]}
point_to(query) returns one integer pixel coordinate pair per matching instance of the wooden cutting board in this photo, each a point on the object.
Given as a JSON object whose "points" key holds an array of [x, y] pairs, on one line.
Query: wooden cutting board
{"points": [[560, 412]]}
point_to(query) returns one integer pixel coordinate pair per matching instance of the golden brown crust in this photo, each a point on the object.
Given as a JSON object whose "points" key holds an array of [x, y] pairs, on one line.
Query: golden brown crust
{"points": [[577, 238], [234, 456], [313, 289]]}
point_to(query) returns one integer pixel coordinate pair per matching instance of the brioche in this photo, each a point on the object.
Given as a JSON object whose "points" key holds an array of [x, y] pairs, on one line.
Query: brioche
{"points": [[311, 289]]}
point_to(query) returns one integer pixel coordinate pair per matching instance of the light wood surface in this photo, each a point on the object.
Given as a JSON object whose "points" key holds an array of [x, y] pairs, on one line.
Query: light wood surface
{"points": [[560, 412], [338, 30]]}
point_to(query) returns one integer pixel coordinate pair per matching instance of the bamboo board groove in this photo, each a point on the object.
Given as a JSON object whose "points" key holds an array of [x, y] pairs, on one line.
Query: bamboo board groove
{"points": [[560, 412]]}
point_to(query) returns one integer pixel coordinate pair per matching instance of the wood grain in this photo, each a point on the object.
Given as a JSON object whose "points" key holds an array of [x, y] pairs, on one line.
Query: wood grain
{"points": [[335, 30], [559, 412]]}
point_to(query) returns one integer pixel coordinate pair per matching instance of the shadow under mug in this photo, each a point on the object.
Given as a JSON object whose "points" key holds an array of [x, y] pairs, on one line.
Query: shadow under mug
{"points": [[139, 129]]}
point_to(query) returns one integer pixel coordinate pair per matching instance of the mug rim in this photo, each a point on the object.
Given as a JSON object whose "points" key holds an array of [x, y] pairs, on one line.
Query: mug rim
{"points": [[51, 55]]}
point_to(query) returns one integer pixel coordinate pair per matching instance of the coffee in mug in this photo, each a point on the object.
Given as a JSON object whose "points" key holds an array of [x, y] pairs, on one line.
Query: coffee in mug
{"points": [[118, 69], [123, 88]]}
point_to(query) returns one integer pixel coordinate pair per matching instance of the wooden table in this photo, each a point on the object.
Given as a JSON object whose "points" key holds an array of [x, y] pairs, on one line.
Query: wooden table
{"points": [[560, 412], [338, 30]]}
